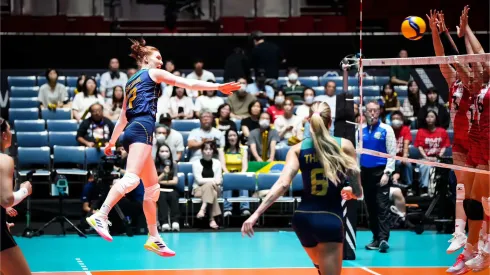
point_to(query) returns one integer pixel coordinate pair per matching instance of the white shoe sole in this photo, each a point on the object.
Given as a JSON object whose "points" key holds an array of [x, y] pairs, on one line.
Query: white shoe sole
{"points": [[92, 223]]}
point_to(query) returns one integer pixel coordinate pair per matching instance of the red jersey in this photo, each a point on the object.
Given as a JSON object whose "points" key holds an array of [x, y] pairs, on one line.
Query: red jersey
{"points": [[482, 104], [460, 111], [274, 112], [432, 142], [401, 135]]}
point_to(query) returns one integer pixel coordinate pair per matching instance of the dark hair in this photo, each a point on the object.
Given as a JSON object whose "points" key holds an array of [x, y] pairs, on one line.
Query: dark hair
{"points": [[117, 102], [252, 104], [139, 49], [289, 99], [308, 88], [257, 35], [398, 113], [382, 92], [3, 125], [84, 88], [80, 87], [95, 104], [276, 93], [174, 91], [48, 71], [159, 163], [227, 143], [414, 99], [269, 115], [330, 81], [211, 144], [424, 122], [221, 107], [198, 60], [289, 69]]}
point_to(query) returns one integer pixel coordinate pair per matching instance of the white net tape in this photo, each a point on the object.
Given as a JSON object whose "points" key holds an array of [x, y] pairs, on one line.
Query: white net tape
{"points": [[430, 60]]}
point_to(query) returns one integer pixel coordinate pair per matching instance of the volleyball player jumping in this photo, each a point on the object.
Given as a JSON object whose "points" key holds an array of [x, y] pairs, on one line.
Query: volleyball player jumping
{"points": [[138, 113], [325, 163], [11, 258]]}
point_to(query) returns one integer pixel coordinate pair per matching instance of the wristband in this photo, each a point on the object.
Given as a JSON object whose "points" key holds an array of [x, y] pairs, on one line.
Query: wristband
{"points": [[20, 195]]}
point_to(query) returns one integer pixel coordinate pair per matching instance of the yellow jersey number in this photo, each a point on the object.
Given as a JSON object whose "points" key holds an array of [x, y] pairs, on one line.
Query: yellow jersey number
{"points": [[319, 187], [131, 97]]}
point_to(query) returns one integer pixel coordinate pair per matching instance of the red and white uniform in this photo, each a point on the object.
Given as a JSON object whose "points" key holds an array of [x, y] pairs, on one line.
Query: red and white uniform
{"points": [[460, 112], [482, 118]]}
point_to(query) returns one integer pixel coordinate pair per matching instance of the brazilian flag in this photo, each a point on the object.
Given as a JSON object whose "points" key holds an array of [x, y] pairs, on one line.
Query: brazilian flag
{"points": [[266, 167]]}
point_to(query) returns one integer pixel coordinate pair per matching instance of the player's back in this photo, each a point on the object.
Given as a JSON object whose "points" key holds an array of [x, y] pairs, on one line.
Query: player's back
{"points": [[319, 193], [142, 95], [482, 105], [459, 106]]}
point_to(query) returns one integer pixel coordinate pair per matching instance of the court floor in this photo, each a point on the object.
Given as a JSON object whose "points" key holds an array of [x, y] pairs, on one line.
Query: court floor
{"points": [[227, 253]]}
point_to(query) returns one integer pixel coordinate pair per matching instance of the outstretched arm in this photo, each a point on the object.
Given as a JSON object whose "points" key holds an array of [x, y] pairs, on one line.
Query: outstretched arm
{"points": [[160, 76]]}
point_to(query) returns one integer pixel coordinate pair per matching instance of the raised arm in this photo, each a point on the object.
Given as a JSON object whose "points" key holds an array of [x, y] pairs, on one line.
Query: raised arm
{"points": [[160, 76]]}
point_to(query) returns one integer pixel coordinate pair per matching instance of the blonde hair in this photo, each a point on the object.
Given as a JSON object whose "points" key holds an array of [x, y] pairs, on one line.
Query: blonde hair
{"points": [[328, 152]]}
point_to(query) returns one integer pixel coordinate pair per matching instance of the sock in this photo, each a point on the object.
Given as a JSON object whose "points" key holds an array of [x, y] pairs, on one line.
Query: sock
{"points": [[150, 210], [460, 225], [460, 213], [153, 230], [318, 269], [104, 210], [113, 197], [468, 251]]}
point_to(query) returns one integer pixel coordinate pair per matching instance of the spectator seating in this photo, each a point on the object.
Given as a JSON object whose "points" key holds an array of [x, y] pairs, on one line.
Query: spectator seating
{"points": [[23, 113], [21, 81], [65, 157], [185, 125], [30, 125], [33, 158], [41, 80], [61, 113], [32, 139], [63, 139], [62, 125], [24, 102], [16, 91]]}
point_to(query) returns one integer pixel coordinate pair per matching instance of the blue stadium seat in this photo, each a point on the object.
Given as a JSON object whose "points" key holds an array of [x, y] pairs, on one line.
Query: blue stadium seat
{"points": [[93, 155], [24, 102], [309, 81], [190, 181], [60, 113], [30, 125], [354, 90], [63, 139], [414, 134], [402, 91], [281, 81], [71, 81], [281, 152], [181, 182], [450, 133], [185, 136], [266, 181], [381, 80], [448, 152], [240, 181], [24, 91], [185, 125], [238, 123], [337, 79], [368, 81], [371, 91], [23, 114], [62, 125], [32, 139], [184, 167], [33, 158], [21, 81], [353, 81], [219, 79], [413, 152], [71, 92], [41, 80], [64, 155], [319, 90]]}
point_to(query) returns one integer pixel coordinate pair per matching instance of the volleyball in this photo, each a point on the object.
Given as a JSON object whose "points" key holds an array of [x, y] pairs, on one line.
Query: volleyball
{"points": [[413, 27]]}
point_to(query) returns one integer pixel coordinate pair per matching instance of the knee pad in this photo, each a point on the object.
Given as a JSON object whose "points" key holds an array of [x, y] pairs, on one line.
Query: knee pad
{"points": [[127, 183], [486, 205], [152, 193], [460, 192], [473, 209]]}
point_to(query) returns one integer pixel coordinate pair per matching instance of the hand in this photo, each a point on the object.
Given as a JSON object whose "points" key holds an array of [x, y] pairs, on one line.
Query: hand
{"points": [[432, 18], [9, 225], [441, 22], [463, 22], [90, 144], [384, 180], [347, 194], [108, 149], [289, 128], [247, 227], [229, 88], [11, 212], [27, 185], [260, 159], [270, 160]]}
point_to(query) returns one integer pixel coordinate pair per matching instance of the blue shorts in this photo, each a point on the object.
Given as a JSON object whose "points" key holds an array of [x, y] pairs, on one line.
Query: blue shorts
{"points": [[313, 228], [139, 130]]}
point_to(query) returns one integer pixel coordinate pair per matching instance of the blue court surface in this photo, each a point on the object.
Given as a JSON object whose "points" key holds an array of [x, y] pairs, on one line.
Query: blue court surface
{"points": [[228, 253]]}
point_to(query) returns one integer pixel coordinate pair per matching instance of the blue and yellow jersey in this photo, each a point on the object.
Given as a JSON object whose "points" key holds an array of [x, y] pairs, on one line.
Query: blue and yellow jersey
{"points": [[142, 95]]}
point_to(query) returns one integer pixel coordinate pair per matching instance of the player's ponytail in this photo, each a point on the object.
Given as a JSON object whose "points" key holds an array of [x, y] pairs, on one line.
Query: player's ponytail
{"points": [[328, 152], [139, 49]]}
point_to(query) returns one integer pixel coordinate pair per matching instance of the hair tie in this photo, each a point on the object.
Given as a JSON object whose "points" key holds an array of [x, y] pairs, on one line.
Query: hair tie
{"points": [[317, 113]]}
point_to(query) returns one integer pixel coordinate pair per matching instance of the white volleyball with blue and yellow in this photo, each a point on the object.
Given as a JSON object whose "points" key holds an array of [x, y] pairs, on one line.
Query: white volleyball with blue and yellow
{"points": [[413, 27]]}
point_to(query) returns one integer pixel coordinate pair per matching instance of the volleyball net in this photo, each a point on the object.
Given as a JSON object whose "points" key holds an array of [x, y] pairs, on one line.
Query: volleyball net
{"points": [[437, 123]]}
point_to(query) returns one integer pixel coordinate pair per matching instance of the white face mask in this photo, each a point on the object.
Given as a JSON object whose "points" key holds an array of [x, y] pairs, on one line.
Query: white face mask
{"points": [[264, 123], [279, 99], [293, 76], [309, 100], [243, 87], [396, 123], [161, 138], [164, 155]]}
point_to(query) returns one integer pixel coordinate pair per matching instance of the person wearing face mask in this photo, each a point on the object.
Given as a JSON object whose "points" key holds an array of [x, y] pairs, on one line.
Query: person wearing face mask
{"points": [[403, 140], [260, 89], [240, 100], [293, 87], [112, 78], [165, 134], [278, 108], [209, 101], [168, 202], [262, 141], [202, 134], [303, 111]]}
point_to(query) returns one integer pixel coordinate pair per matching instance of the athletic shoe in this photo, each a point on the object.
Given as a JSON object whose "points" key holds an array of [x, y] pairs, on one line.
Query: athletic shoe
{"points": [[384, 246], [483, 236], [374, 245], [480, 262], [459, 266], [165, 227], [158, 246], [457, 242], [101, 225], [175, 226]]}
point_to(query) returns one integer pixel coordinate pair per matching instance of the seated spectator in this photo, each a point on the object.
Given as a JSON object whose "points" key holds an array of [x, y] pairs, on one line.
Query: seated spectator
{"points": [[168, 202], [289, 125], [180, 105], [264, 93], [96, 130], [223, 121], [403, 139], [293, 87], [432, 141], [209, 101], [278, 108], [168, 89], [433, 104], [390, 99], [204, 133], [415, 100], [80, 81], [84, 100], [400, 75], [165, 134], [234, 159], [240, 100], [262, 141], [112, 78], [52, 95], [303, 111], [207, 182], [113, 107], [130, 72], [252, 121], [199, 74], [170, 66]]}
